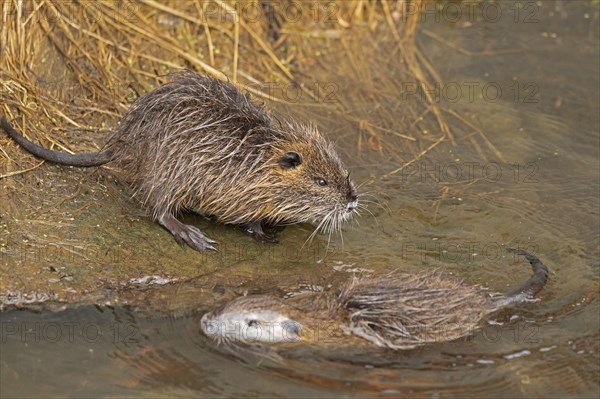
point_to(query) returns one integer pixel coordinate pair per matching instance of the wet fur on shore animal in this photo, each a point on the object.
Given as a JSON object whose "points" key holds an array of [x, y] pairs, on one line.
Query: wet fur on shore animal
{"points": [[197, 143], [396, 311]]}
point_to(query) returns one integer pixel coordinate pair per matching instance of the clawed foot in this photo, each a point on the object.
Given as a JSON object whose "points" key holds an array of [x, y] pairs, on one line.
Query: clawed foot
{"points": [[194, 237], [257, 232], [186, 234]]}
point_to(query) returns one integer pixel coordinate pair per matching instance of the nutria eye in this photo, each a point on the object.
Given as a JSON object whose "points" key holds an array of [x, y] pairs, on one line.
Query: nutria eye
{"points": [[290, 160], [291, 327], [321, 182]]}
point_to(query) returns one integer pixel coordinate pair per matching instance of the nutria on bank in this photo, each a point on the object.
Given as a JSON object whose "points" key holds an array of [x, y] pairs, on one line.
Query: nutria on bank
{"points": [[197, 143]]}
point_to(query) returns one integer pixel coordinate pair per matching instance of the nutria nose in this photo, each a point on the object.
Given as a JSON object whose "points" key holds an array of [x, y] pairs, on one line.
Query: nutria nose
{"points": [[352, 201]]}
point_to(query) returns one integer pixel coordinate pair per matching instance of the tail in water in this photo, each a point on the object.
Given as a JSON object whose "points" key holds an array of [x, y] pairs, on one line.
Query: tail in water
{"points": [[533, 285], [84, 159]]}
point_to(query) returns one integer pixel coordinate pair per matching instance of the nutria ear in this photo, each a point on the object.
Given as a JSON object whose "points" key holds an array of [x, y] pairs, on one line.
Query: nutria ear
{"points": [[290, 160]]}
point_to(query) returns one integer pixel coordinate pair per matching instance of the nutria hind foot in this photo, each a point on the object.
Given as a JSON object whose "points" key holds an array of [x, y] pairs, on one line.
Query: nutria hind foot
{"points": [[186, 234], [256, 231]]}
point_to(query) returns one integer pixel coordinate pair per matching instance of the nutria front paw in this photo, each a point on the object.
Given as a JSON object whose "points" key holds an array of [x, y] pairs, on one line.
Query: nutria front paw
{"points": [[257, 232], [194, 237], [264, 237], [186, 234]]}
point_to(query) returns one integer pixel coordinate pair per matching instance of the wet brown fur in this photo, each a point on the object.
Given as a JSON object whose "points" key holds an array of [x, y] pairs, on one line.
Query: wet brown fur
{"points": [[409, 310], [199, 144], [218, 152]]}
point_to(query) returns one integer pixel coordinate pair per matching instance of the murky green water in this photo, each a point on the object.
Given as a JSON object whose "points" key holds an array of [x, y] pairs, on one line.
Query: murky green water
{"points": [[541, 193]]}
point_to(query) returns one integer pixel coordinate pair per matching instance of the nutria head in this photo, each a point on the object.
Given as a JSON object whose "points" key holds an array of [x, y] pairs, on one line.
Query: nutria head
{"points": [[310, 183], [251, 319]]}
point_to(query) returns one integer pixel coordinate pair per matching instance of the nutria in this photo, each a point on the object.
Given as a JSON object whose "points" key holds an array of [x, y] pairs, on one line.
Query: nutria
{"points": [[197, 143], [397, 311]]}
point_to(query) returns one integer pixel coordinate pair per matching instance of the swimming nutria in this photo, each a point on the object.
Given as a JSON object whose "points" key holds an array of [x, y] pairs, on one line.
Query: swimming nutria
{"points": [[398, 311], [197, 143]]}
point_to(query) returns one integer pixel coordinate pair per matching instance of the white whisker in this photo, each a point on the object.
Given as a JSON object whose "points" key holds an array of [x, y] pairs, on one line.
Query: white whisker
{"points": [[314, 233]]}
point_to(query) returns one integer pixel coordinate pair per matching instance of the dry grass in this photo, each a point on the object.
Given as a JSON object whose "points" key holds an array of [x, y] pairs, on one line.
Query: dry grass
{"points": [[70, 69]]}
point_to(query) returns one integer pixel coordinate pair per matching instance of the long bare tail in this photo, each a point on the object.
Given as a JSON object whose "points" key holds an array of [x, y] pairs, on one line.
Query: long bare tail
{"points": [[83, 159], [533, 285]]}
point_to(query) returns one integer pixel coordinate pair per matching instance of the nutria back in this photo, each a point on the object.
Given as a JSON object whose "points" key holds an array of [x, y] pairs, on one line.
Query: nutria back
{"points": [[402, 311]]}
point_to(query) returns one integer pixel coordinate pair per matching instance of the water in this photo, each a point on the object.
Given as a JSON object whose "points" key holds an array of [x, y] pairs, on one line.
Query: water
{"points": [[537, 189]]}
